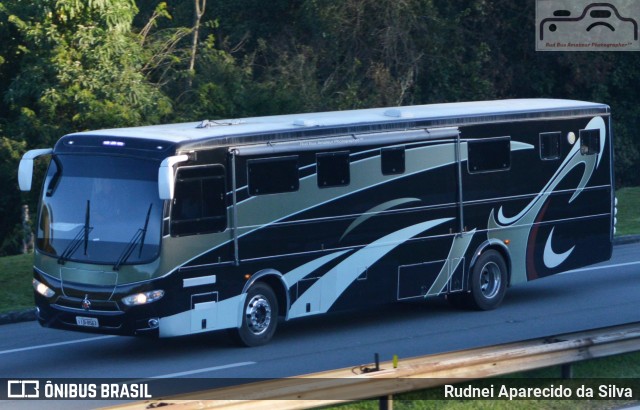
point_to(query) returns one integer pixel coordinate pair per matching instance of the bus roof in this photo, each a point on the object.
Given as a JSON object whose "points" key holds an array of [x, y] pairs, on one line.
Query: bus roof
{"points": [[219, 132]]}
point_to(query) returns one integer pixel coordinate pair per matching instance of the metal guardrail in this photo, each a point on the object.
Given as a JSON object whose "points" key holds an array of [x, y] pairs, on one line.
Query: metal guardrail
{"points": [[337, 386]]}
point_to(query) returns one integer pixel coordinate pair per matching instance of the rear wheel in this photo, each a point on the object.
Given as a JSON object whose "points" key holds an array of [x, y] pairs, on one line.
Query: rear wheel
{"points": [[259, 316], [488, 281]]}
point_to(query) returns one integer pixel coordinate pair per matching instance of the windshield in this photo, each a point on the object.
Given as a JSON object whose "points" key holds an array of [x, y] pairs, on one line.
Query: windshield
{"points": [[100, 209]]}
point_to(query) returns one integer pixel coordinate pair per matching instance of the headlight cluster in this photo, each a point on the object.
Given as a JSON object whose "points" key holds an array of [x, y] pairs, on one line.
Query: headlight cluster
{"points": [[42, 289], [132, 300], [143, 298]]}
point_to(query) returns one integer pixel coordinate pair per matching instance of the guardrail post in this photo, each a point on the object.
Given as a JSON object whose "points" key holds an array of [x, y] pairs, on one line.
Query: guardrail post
{"points": [[566, 371], [386, 403]]}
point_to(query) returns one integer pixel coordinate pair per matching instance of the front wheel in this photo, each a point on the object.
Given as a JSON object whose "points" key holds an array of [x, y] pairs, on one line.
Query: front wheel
{"points": [[488, 281], [259, 316]]}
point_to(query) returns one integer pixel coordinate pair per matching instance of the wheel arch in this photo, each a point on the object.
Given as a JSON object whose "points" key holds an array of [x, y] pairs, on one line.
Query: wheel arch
{"points": [[500, 247], [276, 281]]}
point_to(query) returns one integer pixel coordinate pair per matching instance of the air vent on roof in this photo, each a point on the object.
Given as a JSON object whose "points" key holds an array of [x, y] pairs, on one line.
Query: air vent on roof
{"points": [[398, 113], [305, 122], [215, 123]]}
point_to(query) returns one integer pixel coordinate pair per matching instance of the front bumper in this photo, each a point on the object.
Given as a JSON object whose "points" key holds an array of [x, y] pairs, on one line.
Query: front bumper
{"points": [[96, 309], [56, 316]]}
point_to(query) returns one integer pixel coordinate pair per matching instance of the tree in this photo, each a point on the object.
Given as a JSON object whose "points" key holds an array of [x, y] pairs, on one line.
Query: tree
{"points": [[199, 9], [76, 65], [10, 229], [70, 65], [80, 70]]}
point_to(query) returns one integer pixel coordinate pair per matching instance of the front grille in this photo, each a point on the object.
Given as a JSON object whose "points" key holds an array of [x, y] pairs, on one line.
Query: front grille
{"points": [[96, 305]]}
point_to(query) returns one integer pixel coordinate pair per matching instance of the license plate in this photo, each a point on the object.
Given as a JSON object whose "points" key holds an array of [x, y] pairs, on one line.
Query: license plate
{"points": [[87, 321]]}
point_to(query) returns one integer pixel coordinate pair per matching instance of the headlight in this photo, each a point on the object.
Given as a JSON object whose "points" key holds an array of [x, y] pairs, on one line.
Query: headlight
{"points": [[143, 298], [42, 289]]}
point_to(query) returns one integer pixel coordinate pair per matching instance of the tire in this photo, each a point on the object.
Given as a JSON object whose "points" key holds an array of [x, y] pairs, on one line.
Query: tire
{"points": [[259, 317], [488, 281]]}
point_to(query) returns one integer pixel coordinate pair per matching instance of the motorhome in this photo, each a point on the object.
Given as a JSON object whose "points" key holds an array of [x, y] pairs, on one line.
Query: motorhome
{"points": [[236, 224]]}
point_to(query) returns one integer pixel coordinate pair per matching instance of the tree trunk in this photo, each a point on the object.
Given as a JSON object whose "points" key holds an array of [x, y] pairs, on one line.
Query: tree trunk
{"points": [[27, 236], [200, 6]]}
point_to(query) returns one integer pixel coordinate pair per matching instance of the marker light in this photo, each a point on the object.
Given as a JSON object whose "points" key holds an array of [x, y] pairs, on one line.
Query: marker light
{"points": [[143, 298], [42, 289], [113, 143]]}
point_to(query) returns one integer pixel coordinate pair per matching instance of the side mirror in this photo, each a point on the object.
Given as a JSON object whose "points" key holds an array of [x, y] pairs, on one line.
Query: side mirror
{"points": [[166, 181], [25, 170]]}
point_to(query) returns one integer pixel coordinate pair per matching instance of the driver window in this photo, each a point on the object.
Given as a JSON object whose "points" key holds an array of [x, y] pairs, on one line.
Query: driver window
{"points": [[199, 205]]}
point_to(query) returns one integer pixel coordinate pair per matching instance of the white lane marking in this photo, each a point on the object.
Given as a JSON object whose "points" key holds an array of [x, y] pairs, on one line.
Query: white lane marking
{"points": [[208, 369], [71, 342], [617, 265]]}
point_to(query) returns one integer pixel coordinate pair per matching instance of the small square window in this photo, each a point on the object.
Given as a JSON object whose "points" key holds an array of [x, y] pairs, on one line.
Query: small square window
{"points": [[333, 169], [273, 175], [590, 142], [487, 155], [392, 160], [550, 145]]}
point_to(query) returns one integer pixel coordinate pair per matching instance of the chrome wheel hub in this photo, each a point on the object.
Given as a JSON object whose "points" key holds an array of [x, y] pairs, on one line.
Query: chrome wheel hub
{"points": [[258, 314], [490, 280]]}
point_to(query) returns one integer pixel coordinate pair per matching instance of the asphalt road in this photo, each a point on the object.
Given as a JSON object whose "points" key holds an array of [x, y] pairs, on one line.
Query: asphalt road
{"points": [[602, 295]]}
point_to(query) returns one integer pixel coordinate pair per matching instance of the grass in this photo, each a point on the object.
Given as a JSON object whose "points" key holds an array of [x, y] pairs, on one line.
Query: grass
{"points": [[628, 211], [16, 292]]}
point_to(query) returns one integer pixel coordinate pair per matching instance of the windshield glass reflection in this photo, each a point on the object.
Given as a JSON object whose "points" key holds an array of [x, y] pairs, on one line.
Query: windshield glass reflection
{"points": [[95, 207]]}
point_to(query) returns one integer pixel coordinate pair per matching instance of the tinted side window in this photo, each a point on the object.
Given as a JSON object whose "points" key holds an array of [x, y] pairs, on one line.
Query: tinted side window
{"points": [[199, 204], [392, 160], [273, 175], [333, 169], [590, 142], [550, 145], [491, 154]]}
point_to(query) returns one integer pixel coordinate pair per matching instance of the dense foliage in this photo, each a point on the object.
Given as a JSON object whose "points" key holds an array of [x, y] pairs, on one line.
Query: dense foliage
{"points": [[71, 65]]}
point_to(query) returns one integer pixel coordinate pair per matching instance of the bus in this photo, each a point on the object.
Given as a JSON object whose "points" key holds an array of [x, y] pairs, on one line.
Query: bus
{"points": [[178, 229]]}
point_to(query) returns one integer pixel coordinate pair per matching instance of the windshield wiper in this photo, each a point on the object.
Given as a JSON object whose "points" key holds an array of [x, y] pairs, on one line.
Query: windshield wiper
{"points": [[138, 237], [82, 235]]}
